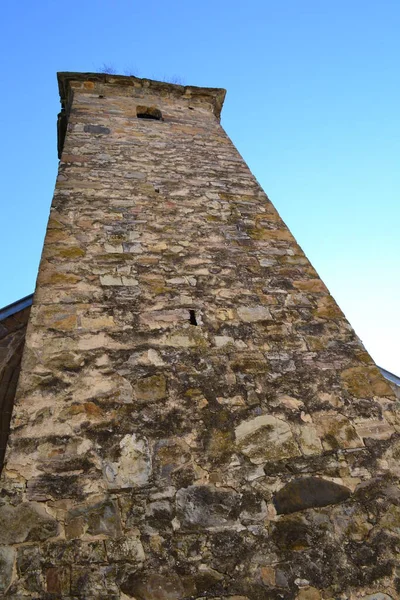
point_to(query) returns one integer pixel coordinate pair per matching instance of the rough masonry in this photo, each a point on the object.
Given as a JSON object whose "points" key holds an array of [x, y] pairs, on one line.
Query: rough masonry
{"points": [[195, 417]]}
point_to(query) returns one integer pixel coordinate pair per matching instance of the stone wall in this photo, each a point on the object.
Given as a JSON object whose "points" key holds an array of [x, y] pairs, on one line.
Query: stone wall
{"points": [[195, 416]]}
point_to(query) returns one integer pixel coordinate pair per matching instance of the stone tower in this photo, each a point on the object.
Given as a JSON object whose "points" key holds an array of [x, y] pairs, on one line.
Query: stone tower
{"points": [[195, 417]]}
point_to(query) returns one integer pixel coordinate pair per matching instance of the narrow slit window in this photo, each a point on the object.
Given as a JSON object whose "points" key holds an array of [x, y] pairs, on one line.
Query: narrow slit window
{"points": [[148, 112], [192, 317]]}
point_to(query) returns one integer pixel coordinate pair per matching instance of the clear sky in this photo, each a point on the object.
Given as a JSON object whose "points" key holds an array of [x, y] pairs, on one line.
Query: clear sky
{"points": [[313, 106]]}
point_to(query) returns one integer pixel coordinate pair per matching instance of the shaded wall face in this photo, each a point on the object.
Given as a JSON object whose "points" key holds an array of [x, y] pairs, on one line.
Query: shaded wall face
{"points": [[195, 416], [12, 338]]}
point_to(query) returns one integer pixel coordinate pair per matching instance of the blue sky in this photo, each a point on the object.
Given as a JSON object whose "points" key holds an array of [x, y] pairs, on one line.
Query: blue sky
{"points": [[312, 105]]}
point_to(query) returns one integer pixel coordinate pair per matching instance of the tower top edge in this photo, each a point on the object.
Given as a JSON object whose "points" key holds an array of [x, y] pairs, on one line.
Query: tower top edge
{"points": [[216, 96]]}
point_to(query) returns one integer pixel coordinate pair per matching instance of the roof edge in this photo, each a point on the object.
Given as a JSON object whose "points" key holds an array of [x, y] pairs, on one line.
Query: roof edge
{"points": [[216, 95], [14, 307], [390, 376]]}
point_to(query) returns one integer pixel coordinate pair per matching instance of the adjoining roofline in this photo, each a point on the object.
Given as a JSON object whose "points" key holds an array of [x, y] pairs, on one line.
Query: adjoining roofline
{"points": [[390, 376], [12, 309]]}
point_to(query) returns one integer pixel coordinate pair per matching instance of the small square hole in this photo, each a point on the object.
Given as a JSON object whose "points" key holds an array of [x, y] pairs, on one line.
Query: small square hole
{"points": [[148, 112]]}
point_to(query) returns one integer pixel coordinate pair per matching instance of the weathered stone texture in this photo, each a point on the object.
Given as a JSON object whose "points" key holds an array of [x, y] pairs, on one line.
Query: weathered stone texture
{"points": [[196, 418]]}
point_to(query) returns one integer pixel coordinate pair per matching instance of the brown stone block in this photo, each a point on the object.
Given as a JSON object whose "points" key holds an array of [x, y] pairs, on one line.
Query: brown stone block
{"points": [[58, 580], [55, 221], [377, 430], [336, 431], [53, 236], [90, 520], [365, 382], [95, 323], [249, 362], [26, 522], [73, 158], [251, 314], [328, 309], [88, 408], [267, 575], [309, 593], [186, 129], [57, 278], [311, 285], [150, 389], [62, 317], [70, 252], [270, 234], [77, 184]]}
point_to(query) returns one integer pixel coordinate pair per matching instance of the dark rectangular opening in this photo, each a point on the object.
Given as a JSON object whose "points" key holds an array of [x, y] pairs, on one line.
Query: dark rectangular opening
{"points": [[148, 112]]}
